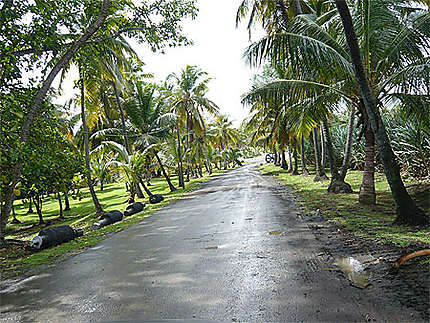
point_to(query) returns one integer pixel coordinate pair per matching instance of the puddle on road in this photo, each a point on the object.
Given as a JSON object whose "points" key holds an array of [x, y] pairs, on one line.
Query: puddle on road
{"points": [[275, 233], [354, 270]]}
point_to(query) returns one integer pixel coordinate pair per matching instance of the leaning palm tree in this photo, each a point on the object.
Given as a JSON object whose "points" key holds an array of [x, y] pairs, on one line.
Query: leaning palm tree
{"points": [[132, 166], [151, 123], [393, 38]]}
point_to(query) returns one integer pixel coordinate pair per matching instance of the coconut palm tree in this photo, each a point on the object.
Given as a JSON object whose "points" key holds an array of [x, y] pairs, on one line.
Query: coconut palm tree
{"points": [[132, 166], [189, 102], [408, 212], [392, 38], [152, 124]]}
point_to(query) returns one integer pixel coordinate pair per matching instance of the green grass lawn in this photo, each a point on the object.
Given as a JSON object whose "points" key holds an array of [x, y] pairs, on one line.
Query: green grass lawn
{"points": [[17, 259], [368, 222]]}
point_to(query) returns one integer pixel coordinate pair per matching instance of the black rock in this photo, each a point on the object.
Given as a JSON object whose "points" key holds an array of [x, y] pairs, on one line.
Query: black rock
{"points": [[108, 218], [156, 198], [54, 236], [134, 208]]}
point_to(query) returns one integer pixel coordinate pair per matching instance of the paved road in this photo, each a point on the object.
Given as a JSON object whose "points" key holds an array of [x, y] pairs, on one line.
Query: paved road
{"points": [[208, 256]]}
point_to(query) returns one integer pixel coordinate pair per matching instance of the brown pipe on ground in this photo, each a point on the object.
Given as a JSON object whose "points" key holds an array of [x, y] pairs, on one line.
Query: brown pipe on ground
{"points": [[404, 258]]}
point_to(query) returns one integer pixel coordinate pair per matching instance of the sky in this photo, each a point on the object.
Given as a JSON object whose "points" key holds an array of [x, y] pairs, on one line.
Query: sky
{"points": [[218, 49]]}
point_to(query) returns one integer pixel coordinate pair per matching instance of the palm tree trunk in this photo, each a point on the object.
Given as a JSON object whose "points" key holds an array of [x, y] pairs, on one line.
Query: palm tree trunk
{"points": [[121, 110], [98, 207], [348, 144], [290, 160], [30, 206], [187, 147], [337, 184], [169, 182], [367, 189], [407, 211], [320, 174], [276, 161], [181, 171], [296, 164], [298, 7], [302, 157], [139, 191], [131, 193], [14, 220], [283, 160], [101, 186], [323, 148], [66, 201], [34, 110], [60, 204], [145, 188]]}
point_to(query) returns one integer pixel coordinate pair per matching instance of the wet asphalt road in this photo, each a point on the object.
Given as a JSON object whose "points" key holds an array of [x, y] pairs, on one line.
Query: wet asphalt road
{"points": [[208, 256]]}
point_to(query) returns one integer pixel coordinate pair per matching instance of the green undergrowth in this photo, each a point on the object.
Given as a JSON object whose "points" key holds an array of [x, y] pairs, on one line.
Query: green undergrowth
{"points": [[367, 222], [18, 259]]}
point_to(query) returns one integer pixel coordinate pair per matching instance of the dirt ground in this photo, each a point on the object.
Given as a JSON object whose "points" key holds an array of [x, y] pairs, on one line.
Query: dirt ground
{"points": [[410, 286]]}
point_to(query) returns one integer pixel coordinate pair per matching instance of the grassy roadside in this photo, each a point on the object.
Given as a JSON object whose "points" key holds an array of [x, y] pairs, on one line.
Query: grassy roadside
{"points": [[17, 259], [367, 222]]}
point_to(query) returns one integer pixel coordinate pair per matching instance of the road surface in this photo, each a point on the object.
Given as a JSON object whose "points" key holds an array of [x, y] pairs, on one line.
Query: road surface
{"points": [[209, 256]]}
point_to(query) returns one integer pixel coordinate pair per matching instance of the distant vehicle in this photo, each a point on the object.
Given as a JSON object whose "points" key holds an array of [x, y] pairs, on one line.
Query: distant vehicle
{"points": [[270, 158]]}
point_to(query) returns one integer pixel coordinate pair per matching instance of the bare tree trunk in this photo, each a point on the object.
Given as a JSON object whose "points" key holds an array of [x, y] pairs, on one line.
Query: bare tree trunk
{"points": [[407, 211], [348, 144], [14, 220], [367, 189], [30, 205], [98, 207], [302, 157], [38, 203], [337, 184], [320, 174], [34, 110], [169, 182]]}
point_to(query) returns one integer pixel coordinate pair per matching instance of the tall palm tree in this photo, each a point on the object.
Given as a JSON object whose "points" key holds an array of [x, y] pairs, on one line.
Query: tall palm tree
{"points": [[222, 133], [189, 102], [392, 38], [408, 212], [146, 113]]}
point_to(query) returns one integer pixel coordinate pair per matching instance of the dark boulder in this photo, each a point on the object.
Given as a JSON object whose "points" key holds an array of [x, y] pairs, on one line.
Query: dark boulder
{"points": [[107, 219], [156, 198], [54, 236], [134, 208]]}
